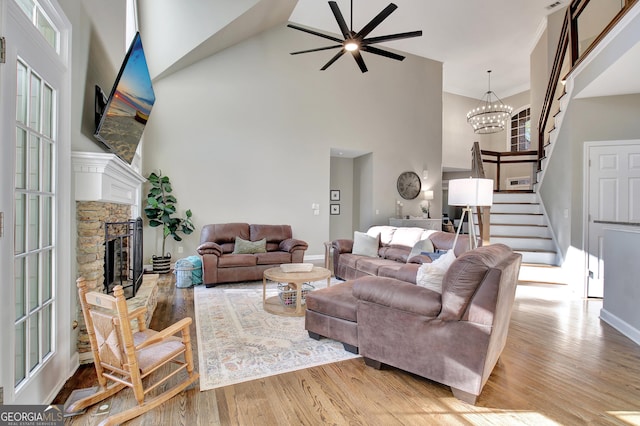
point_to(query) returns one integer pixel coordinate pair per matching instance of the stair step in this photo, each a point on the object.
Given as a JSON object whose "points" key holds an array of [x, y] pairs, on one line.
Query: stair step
{"points": [[520, 230], [520, 197], [538, 258], [529, 208], [516, 219], [542, 273], [525, 243]]}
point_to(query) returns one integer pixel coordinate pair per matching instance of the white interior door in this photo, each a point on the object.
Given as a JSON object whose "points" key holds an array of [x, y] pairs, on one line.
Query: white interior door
{"points": [[35, 321], [614, 200]]}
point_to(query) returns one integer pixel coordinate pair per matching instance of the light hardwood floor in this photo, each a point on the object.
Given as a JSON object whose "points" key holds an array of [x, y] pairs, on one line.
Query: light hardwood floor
{"points": [[561, 365]]}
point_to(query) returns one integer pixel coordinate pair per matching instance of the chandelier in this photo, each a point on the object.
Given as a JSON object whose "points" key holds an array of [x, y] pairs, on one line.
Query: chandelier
{"points": [[491, 115]]}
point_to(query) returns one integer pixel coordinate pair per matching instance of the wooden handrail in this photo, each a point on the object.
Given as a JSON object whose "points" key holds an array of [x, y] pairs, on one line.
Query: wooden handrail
{"points": [[498, 161], [484, 225], [569, 37], [476, 161]]}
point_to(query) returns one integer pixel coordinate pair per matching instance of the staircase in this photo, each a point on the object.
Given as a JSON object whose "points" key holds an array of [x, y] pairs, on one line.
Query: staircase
{"points": [[518, 221]]}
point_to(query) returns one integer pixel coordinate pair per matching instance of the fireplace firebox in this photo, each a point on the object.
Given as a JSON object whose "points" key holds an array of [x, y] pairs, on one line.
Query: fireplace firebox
{"points": [[123, 263]]}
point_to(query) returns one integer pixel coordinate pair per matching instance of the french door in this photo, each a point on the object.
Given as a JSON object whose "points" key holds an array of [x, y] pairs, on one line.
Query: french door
{"points": [[35, 320]]}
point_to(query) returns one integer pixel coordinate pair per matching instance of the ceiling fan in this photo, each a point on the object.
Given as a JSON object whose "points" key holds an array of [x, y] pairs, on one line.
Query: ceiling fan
{"points": [[355, 42]]}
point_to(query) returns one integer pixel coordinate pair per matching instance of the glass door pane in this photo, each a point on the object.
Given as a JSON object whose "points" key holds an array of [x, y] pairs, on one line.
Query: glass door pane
{"points": [[34, 242]]}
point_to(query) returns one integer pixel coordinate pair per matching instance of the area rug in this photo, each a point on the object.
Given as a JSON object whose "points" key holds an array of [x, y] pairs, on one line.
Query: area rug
{"points": [[238, 341]]}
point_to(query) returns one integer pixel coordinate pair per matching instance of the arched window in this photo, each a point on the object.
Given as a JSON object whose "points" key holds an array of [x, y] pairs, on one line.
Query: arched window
{"points": [[521, 130]]}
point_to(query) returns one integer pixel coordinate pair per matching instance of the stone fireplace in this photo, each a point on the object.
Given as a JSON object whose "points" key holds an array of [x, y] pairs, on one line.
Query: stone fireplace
{"points": [[107, 190]]}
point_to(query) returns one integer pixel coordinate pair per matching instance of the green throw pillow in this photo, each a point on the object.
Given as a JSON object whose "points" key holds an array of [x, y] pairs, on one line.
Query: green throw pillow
{"points": [[250, 247]]}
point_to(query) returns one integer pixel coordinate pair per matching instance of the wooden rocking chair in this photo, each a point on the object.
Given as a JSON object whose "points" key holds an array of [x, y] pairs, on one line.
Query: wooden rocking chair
{"points": [[125, 358]]}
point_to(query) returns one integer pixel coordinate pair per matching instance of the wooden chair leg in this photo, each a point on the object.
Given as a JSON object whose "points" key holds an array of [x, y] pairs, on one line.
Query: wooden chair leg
{"points": [[101, 395], [149, 403]]}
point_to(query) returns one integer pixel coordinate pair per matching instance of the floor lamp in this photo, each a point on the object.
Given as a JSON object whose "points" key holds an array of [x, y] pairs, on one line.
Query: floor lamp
{"points": [[471, 192]]}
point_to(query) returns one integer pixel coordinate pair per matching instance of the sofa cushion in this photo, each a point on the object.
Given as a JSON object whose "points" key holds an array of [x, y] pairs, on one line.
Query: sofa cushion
{"points": [[234, 260], [397, 254], [407, 237], [224, 232], [272, 233], [249, 247], [365, 245], [465, 275], [398, 295], [335, 301], [370, 265], [403, 272], [430, 275], [273, 258], [386, 233]]}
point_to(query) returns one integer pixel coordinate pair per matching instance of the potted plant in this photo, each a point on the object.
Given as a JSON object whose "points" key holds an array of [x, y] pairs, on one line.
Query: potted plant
{"points": [[161, 210]]}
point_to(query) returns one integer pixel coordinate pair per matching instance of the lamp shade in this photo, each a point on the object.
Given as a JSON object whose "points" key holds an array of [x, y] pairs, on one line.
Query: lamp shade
{"points": [[471, 192], [428, 195]]}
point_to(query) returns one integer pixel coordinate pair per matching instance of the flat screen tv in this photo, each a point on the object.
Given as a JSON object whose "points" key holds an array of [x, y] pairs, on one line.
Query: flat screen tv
{"points": [[121, 118]]}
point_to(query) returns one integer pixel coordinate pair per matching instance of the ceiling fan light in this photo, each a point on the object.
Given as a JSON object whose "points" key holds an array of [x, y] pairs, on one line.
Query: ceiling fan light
{"points": [[351, 46]]}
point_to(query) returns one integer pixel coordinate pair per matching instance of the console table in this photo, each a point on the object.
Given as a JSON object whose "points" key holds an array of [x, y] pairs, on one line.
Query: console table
{"points": [[433, 224]]}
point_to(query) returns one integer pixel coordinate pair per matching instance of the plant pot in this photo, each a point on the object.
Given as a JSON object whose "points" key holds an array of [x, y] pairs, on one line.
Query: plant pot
{"points": [[161, 264]]}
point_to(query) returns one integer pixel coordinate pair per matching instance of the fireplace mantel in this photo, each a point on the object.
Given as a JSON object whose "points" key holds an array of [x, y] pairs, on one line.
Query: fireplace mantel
{"points": [[105, 177]]}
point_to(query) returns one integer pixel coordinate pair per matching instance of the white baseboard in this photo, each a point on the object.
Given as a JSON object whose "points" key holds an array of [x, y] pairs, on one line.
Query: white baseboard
{"points": [[313, 257], [620, 325]]}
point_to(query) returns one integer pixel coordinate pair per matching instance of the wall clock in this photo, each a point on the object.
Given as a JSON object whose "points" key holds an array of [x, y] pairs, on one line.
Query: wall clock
{"points": [[409, 185]]}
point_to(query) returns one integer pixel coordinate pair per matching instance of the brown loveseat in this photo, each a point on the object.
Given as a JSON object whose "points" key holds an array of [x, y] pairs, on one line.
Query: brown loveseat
{"points": [[394, 259], [221, 265], [454, 337]]}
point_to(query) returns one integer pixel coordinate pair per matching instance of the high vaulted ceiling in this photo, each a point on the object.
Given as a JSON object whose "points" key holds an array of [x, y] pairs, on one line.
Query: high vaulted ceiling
{"points": [[468, 37]]}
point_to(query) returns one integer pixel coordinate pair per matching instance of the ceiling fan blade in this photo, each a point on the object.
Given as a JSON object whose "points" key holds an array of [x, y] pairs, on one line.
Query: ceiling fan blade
{"points": [[376, 21], [316, 33], [316, 50], [335, 58], [381, 52], [358, 57], [340, 19], [374, 40]]}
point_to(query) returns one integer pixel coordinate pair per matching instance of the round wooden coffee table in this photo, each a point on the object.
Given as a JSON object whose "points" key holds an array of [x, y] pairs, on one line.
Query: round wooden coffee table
{"points": [[294, 279]]}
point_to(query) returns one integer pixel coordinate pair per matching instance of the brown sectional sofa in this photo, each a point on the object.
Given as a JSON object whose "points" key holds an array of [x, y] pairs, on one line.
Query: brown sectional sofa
{"points": [[454, 337], [393, 253], [221, 265]]}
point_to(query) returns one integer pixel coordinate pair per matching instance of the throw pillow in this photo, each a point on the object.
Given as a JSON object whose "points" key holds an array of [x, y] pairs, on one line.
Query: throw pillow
{"points": [[421, 246], [430, 275], [250, 247], [365, 245]]}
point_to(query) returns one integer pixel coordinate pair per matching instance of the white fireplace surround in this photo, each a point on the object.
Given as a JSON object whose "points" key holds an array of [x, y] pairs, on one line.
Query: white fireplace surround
{"points": [[105, 177]]}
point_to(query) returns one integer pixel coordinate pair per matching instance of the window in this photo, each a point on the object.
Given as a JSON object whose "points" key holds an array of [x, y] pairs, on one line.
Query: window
{"points": [[41, 21], [521, 130]]}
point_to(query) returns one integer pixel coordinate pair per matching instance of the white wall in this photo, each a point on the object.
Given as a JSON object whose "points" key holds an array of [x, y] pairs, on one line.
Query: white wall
{"points": [[593, 119], [245, 135], [457, 134], [621, 290], [341, 226]]}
